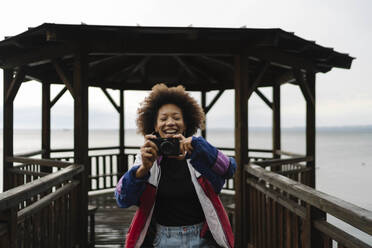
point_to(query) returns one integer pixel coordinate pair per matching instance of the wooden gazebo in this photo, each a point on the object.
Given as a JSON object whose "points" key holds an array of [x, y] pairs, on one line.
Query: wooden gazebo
{"points": [[202, 59]]}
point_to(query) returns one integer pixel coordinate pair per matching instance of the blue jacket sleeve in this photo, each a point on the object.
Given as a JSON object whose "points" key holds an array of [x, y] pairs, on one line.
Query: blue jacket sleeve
{"points": [[129, 188], [211, 163]]}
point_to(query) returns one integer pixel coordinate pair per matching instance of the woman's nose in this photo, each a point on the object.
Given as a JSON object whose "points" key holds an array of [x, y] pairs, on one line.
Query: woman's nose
{"points": [[170, 122]]}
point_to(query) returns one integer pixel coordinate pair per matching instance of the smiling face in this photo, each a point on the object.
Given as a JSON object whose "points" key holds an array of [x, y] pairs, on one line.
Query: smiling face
{"points": [[169, 121]]}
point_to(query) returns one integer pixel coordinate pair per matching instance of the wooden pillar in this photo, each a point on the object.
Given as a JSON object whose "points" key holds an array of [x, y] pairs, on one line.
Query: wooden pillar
{"points": [[204, 105], [241, 81], [276, 120], [122, 163], [310, 127], [7, 130], [45, 124], [80, 85]]}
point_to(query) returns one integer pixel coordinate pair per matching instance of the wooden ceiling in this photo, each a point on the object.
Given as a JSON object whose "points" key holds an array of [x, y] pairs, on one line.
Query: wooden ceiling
{"points": [[202, 59]]}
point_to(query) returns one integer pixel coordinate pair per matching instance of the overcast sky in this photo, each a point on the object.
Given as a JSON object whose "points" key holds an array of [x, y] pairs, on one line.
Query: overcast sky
{"points": [[344, 97]]}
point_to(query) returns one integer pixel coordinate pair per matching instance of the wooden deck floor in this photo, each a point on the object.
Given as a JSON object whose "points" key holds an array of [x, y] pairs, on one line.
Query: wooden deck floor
{"points": [[112, 223]]}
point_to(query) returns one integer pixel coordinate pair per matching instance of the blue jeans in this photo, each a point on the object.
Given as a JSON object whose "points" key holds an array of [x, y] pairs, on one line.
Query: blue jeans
{"points": [[180, 237]]}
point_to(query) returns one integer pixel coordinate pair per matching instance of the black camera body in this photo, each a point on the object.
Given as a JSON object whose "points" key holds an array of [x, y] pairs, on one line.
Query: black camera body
{"points": [[167, 146]]}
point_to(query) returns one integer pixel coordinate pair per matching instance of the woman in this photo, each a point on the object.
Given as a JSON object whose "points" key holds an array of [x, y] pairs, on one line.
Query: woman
{"points": [[177, 195]]}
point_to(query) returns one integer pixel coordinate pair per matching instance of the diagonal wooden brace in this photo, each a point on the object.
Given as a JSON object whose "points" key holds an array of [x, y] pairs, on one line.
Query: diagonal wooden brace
{"points": [[210, 105], [63, 76], [15, 85], [111, 100], [264, 98], [259, 77]]}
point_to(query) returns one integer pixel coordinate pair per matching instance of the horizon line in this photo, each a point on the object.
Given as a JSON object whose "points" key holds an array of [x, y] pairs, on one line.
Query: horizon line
{"points": [[254, 127]]}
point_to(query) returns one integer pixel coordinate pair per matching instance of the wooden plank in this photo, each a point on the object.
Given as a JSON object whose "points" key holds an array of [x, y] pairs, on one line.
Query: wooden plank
{"points": [[112, 171], [284, 201], [104, 169], [259, 219], [7, 130], [251, 219], [311, 129], [122, 164], [81, 129], [98, 172], [338, 235], [276, 121], [45, 124], [288, 231], [199, 48], [13, 196], [45, 201], [274, 224], [255, 206], [276, 162], [327, 241], [63, 76], [348, 212], [14, 86], [58, 96], [280, 226], [26, 172], [43, 162], [241, 82], [29, 154], [263, 220], [268, 222], [10, 217], [41, 55], [295, 234], [185, 67]]}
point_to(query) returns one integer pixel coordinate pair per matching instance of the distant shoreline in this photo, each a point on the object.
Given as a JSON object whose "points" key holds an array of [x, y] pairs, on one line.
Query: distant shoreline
{"points": [[295, 128]]}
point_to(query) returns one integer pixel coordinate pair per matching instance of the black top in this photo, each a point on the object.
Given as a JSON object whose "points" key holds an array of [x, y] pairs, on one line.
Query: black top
{"points": [[177, 203]]}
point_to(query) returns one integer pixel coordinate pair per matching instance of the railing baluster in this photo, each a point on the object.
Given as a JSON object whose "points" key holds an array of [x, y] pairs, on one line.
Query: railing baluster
{"points": [[104, 172]]}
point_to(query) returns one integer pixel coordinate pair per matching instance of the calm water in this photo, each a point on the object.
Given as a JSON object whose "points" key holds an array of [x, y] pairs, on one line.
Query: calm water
{"points": [[343, 158]]}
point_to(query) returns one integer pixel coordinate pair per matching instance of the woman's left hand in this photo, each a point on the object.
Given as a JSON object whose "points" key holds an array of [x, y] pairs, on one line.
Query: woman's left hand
{"points": [[185, 145]]}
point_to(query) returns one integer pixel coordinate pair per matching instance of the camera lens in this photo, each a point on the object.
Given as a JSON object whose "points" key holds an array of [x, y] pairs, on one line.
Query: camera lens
{"points": [[167, 147]]}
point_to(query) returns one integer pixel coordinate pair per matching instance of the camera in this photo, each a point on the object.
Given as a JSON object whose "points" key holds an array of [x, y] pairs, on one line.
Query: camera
{"points": [[167, 146]]}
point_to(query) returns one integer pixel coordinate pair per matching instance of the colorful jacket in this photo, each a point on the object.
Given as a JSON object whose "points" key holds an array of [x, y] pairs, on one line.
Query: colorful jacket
{"points": [[209, 168]]}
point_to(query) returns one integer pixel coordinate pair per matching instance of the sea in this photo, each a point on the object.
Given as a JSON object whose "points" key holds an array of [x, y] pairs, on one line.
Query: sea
{"points": [[343, 156]]}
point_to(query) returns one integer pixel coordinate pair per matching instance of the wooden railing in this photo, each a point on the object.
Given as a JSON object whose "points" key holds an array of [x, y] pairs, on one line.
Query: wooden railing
{"points": [[45, 211], [283, 212], [107, 168]]}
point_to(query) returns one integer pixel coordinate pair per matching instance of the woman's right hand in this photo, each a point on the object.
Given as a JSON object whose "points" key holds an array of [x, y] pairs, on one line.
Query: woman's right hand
{"points": [[149, 153]]}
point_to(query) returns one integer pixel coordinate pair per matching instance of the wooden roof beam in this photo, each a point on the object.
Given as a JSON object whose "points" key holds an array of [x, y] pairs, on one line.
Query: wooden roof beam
{"points": [[38, 55], [15, 85], [134, 68], [217, 61], [185, 67], [63, 77]]}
